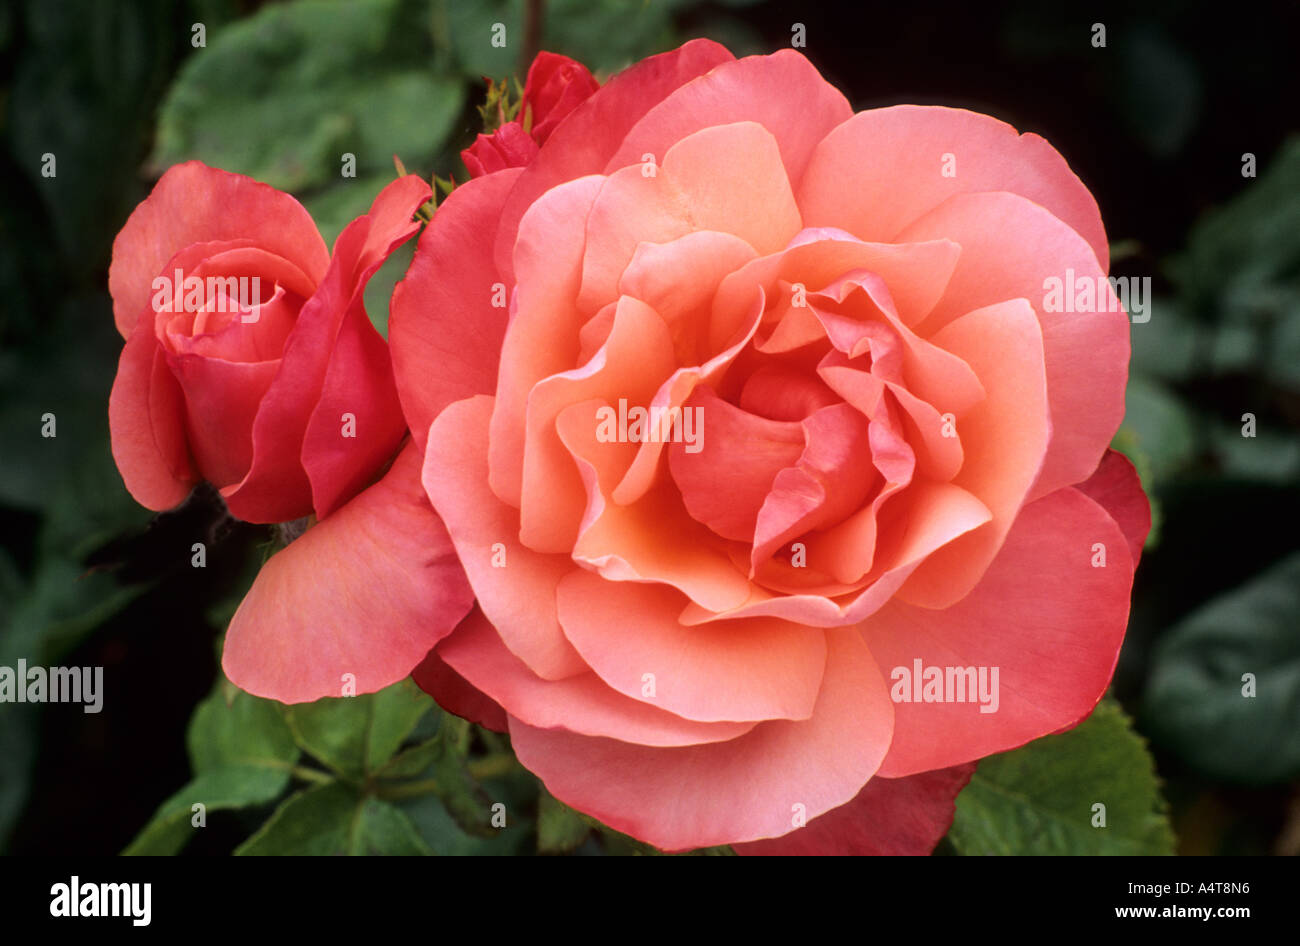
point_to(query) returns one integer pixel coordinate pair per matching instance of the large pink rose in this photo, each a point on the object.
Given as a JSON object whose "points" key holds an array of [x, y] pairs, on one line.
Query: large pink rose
{"points": [[883, 458]]}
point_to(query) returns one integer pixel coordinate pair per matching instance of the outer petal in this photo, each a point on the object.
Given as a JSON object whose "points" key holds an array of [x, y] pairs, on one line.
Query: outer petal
{"points": [[1043, 615], [454, 693], [783, 92], [889, 817], [1116, 488], [367, 592], [193, 203], [1010, 248], [358, 381], [146, 416], [896, 158], [444, 332], [744, 789], [584, 141], [334, 362]]}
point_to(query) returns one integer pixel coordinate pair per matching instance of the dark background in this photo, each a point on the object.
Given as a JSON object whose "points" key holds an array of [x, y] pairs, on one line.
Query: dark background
{"points": [[1155, 124]]}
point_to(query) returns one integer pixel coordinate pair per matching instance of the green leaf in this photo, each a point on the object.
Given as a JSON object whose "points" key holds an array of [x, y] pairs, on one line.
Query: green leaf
{"points": [[236, 786], [559, 827], [1040, 799], [1196, 705], [242, 754], [446, 837], [469, 32], [91, 109], [384, 829], [356, 735], [607, 35], [1160, 427], [1272, 455], [333, 819], [246, 731], [1165, 346], [315, 821], [458, 790], [413, 761], [1242, 262], [379, 291], [283, 95]]}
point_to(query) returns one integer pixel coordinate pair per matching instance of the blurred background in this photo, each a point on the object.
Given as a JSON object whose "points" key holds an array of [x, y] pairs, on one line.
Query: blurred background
{"points": [[1158, 124]]}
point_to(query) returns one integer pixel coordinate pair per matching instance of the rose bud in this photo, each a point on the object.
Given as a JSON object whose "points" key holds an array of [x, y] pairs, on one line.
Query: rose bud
{"points": [[556, 85], [250, 362]]}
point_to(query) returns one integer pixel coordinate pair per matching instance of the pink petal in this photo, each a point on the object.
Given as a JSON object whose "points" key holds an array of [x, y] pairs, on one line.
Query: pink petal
{"points": [[508, 147], [442, 312], [761, 669], [724, 483], [544, 331], [1010, 248], [727, 178], [193, 203], [914, 273], [896, 158], [334, 362], [782, 92], [655, 539], [1004, 438], [831, 480], [645, 469], [846, 550], [582, 703], [890, 817], [1049, 621], [367, 592], [744, 789], [221, 400], [515, 586], [592, 132], [678, 280], [1116, 488], [455, 694], [936, 515], [635, 359], [146, 416]]}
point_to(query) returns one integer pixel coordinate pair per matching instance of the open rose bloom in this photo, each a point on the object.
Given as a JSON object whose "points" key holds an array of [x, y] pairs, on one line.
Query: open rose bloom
{"points": [[740, 410], [895, 451]]}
